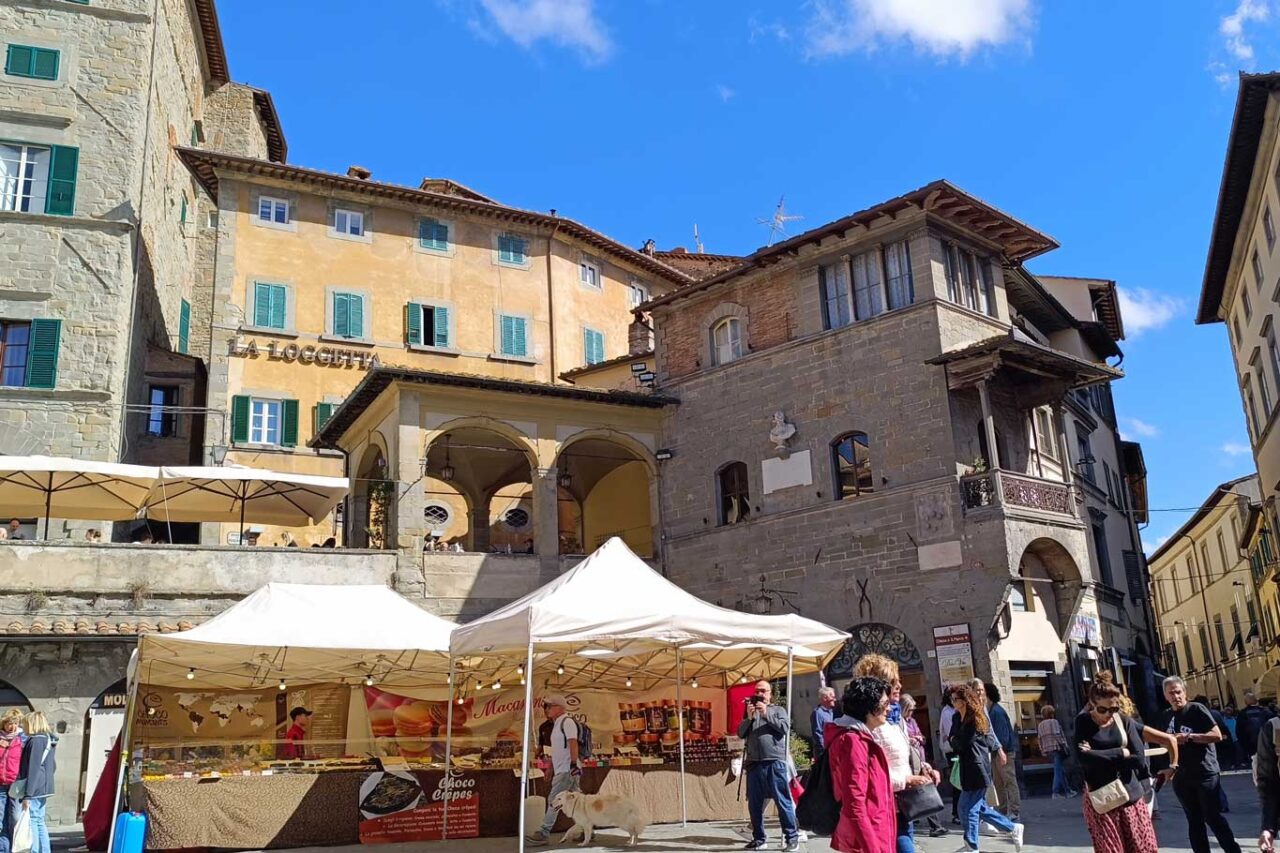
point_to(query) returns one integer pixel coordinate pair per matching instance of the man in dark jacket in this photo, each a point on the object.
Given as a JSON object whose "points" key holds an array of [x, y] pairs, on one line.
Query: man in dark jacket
{"points": [[766, 729], [1251, 720], [1267, 778]]}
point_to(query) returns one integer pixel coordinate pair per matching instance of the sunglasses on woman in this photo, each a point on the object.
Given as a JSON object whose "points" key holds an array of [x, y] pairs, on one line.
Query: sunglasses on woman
{"points": [[1108, 711]]}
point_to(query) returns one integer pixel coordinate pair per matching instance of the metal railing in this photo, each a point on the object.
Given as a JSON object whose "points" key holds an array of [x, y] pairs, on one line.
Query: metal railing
{"points": [[1009, 488]]}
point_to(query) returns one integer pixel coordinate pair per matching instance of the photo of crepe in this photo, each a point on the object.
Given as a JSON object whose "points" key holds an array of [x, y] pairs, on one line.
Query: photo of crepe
{"points": [[387, 793]]}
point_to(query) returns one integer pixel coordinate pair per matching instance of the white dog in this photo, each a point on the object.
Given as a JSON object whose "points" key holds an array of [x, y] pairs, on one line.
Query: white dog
{"points": [[587, 811]]}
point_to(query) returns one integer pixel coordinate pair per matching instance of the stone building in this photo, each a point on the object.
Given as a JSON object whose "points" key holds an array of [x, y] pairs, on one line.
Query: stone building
{"points": [[319, 278], [872, 430], [1241, 287], [1216, 599]]}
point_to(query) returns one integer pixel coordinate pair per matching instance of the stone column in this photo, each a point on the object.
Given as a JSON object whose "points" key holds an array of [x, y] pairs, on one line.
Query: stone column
{"points": [[989, 426], [478, 524], [546, 513], [1064, 452], [408, 524]]}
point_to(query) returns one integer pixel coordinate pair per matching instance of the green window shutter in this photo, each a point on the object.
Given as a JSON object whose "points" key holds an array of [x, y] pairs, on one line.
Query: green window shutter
{"points": [[440, 316], [61, 197], [587, 346], [182, 212], [279, 301], [184, 327], [413, 323], [342, 315], [239, 419], [262, 305], [518, 337], [322, 413], [42, 353], [45, 64], [289, 423], [18, 60], [506, 335], [357, 315]]}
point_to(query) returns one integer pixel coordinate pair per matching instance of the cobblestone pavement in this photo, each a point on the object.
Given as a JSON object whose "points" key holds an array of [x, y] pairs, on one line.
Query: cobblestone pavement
{"points": [[1053, 826]]}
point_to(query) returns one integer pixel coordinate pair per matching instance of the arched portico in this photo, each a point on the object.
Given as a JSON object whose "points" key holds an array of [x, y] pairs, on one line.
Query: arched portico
{"points": [[607, 486]]}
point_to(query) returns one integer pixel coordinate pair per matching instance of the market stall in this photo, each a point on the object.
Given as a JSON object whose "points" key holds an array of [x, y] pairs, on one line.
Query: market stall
{"points": [[250, 729], [647, 665]]}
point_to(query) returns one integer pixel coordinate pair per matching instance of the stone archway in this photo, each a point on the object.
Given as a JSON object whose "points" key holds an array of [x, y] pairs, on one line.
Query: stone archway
{"points": [[371, 500], [487, 470], [607, 485], [878, 638], [1050, 559]]}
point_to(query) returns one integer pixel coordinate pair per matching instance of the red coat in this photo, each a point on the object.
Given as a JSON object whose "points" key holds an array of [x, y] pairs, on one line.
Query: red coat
{"points": [[10, 758], [860, 777]]}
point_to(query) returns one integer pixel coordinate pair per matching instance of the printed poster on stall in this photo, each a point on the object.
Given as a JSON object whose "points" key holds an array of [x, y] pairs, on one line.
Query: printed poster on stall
{"points": [[952, 645], [394, 807]]}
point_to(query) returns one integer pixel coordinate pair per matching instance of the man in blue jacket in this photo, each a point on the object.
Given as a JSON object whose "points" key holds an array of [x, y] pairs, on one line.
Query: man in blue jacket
{"points": [[1004, 775]]}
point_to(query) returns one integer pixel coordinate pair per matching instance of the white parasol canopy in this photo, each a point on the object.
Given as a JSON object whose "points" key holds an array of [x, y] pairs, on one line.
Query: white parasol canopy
{"points": [[303, 633], [72, 488], [612, 617], [237, 494]]}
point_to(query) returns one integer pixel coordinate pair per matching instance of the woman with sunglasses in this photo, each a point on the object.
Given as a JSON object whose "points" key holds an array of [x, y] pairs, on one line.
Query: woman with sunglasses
{"points": [[973, 742], [860, 770], [1110, 746]]}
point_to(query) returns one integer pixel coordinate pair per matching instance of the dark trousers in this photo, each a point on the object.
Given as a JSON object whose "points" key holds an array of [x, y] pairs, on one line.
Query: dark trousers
{"points": [[1201, 800], [767, 780]]}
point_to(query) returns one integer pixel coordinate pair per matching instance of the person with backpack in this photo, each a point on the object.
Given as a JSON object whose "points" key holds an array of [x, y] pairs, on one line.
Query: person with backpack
{"points": [[974, 744], [1250, 722], [566, 769], [859, 771]]}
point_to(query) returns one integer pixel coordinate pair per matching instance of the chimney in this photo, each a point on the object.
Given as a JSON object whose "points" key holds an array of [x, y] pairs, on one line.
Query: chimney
{"points": [[679, 250], [359, 172], [649, 247], [639, 338]]}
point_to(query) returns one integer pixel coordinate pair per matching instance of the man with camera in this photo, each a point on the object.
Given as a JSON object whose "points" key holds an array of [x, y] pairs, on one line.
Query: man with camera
{"points": [[766, 727]]}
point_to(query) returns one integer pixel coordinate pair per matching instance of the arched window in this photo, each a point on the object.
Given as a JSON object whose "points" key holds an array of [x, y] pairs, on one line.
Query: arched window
{"points": [[851, 458], [726, 341], [734, 493]]}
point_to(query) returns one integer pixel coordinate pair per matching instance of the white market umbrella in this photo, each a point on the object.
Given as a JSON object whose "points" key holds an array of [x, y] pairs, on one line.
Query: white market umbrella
{"points": [[237, 494], [72, 488]]}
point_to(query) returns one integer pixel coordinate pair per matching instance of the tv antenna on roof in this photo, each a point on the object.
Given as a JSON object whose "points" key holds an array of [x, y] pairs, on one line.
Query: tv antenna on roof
{"points": [[697, 240], [777, 224]]}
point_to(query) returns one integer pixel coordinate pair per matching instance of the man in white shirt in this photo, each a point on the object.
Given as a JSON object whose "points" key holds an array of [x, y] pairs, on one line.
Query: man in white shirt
{"points": [[565, 769]]}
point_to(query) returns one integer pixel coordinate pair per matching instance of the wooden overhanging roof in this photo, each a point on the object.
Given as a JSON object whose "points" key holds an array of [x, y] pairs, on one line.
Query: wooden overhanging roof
{"points": [[277, 148], [211, 37], [205, 165], [940, 199], [1015, 351], [379, 379], [1032, 299], [1135, 466], [1233, 193]]}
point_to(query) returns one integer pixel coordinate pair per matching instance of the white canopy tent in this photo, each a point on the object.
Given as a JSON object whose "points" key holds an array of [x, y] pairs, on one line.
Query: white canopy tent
{"points": [[613, 621], [233, 494], [72, 488], [300, 633]]}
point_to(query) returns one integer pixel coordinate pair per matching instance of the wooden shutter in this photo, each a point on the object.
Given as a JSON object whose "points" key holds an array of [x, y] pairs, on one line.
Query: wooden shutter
{"points": [[42, 353], [342, 315], [518, 336], [413, 323], [239, 419], [506, 343], [61, 197], [440, 317], [45, 64], [18, 60], [321, 415], [279, 298], [357, 315], [289, 423], [262, 305], [184, 327]]}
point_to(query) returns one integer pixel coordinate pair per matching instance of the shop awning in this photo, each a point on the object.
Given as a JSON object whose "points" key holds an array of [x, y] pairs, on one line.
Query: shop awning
{"points": [[241, 495], [62, 487], [303, 633], [613, 618]]}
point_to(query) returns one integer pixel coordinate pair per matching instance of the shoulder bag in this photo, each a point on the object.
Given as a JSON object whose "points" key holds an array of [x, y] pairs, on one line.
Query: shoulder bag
{"points": [[1114, 794], [921, 801]]}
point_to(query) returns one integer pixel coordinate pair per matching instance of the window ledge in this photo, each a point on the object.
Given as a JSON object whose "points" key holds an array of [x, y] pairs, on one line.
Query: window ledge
{"points": [[446, 252], [513, 265], [291, 334], [515, 359], [450, 351], [366, 237], [355, 342], [291, 225]]}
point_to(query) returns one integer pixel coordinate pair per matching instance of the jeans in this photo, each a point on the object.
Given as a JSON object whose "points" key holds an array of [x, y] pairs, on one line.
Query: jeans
{"points": [[39, 832], [906, 836], [767, 780], [1201, 801], [560, 783], [974, 808], [1060, 785]]}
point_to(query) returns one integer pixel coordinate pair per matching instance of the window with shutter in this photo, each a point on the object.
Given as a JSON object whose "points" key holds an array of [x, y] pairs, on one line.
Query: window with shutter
{"points": [[240, 419], [592, 346], [184, 327], [413, 314], [348, 315], [61, 196], [270, 304], [289, 423], [440, 325], [42, 354], [323, 411], [511, 340], [512, 249], [433, 234], [39, 63]]}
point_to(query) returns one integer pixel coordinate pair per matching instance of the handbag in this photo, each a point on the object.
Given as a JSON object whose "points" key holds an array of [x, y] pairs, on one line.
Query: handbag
{"points": [[954, 778], [919, 802], [1115, 793]]}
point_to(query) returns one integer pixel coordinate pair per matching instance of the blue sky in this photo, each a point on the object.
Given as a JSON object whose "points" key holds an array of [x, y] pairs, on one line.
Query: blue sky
{"points": [[1102, 124]]}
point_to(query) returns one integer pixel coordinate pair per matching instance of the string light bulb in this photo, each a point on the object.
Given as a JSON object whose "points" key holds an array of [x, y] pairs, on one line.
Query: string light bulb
{"points": [[459, 700], [191, 674], [520, 669], [283, 686], [628, 681], [694, 683], [368, 681], [560, 669], [497, 685]]}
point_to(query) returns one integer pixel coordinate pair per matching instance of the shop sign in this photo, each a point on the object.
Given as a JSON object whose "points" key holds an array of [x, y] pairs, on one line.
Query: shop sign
{"points": [[1084, 629], [954, 650], [325, 356], [394, 807]]}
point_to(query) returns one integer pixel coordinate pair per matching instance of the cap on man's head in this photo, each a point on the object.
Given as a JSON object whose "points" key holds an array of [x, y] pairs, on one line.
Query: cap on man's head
{"points": [[555, 699], [299, 712]]}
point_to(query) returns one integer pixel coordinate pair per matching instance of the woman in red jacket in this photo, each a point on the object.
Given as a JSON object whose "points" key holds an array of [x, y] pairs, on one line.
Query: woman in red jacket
{"points": [[10, 759], [860, 771]]}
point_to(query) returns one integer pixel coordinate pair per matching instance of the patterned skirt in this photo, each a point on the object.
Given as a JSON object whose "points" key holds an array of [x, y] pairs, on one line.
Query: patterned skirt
{"points": [[1124, 830]]}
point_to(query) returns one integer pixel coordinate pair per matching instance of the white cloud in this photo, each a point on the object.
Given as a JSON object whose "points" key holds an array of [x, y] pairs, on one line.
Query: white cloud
{"points": [[758, 29], [950, 28], [1144, 309], [569, 23], [1232, 28], [1140, 428], [724, 92], [1235, 448]]}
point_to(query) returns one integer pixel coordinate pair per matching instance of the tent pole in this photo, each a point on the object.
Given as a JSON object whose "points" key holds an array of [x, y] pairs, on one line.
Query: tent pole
{"points": [[126, 733], [684, 800], [48, 506], [448, 752], [790, 719], [524, 755], [243, 501]]}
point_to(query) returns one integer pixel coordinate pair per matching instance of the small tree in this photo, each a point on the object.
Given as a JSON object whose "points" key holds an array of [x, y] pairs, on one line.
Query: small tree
{"points": [[801, 753]]}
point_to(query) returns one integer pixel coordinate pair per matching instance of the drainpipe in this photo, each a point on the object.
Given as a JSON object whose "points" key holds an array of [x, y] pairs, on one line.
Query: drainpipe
{"points": [[551, 302], [137, 232]]}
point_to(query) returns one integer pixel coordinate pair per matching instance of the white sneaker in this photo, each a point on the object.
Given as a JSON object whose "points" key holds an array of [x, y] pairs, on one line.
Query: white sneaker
{"points": [[1016, 835], [988, 829], [802, 837]]}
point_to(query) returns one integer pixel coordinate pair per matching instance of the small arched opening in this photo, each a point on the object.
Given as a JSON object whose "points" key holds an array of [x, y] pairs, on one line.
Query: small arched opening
{"points": [[606, 485]]}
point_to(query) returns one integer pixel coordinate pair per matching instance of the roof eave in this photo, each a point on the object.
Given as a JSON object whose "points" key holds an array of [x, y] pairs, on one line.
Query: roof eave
{"points": [[215, 54]]}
